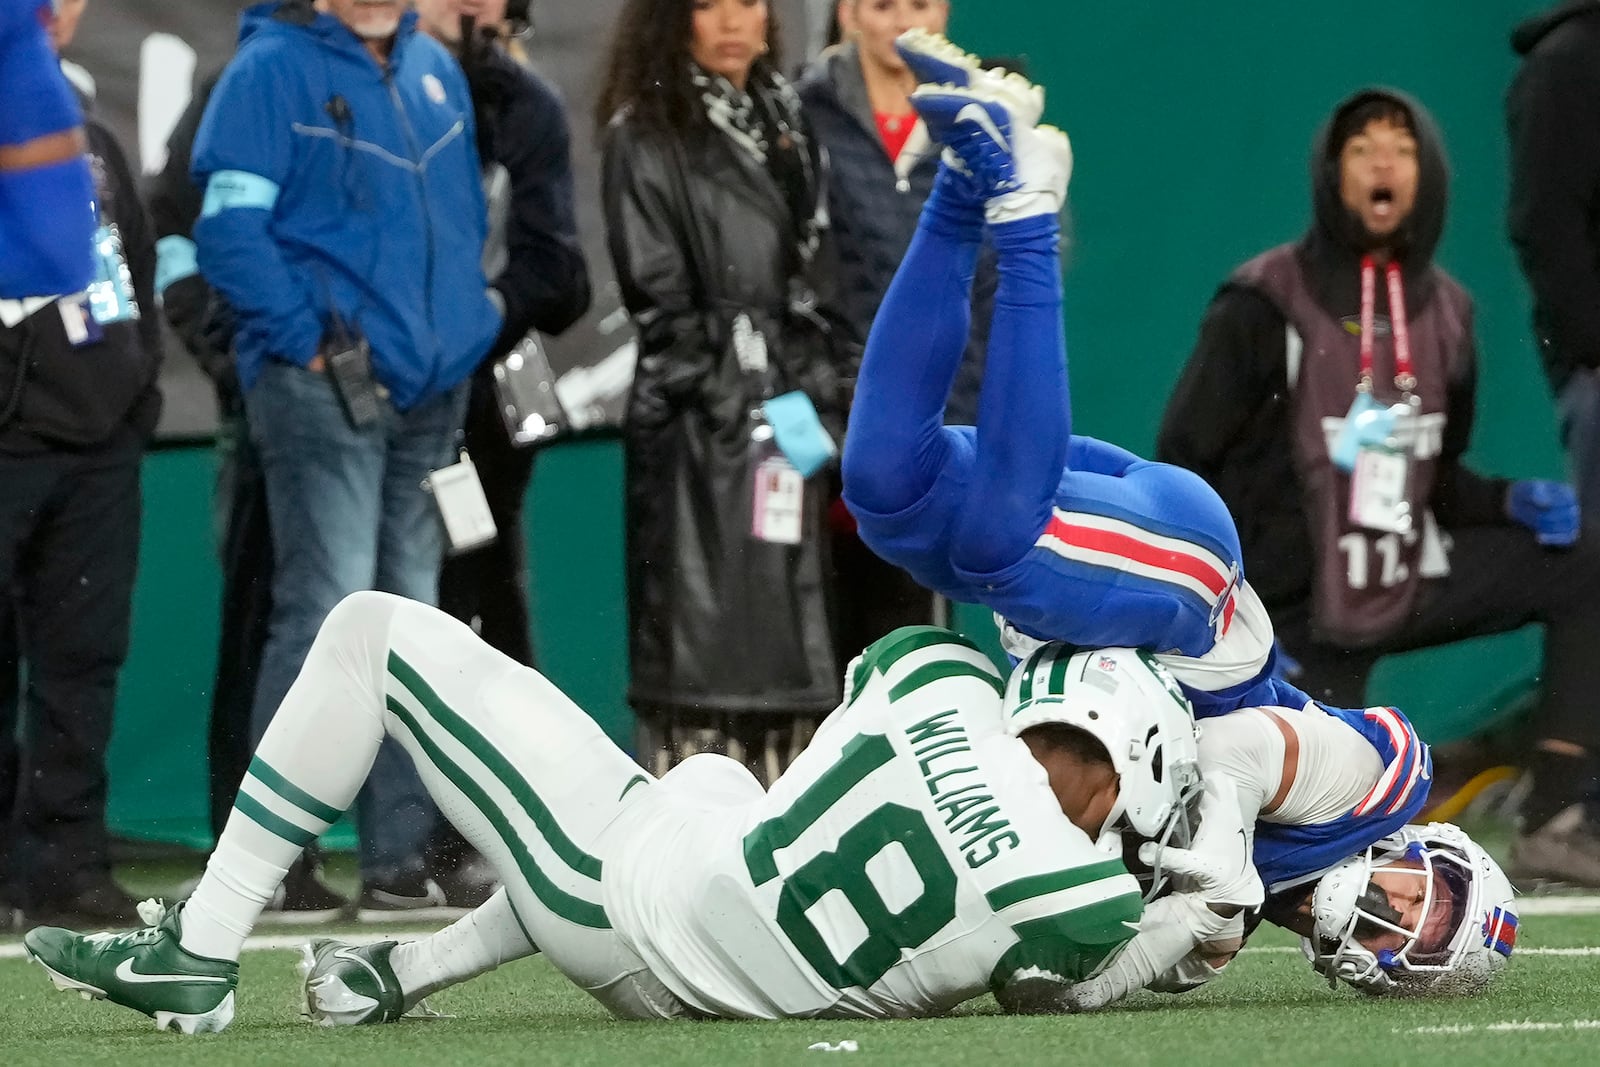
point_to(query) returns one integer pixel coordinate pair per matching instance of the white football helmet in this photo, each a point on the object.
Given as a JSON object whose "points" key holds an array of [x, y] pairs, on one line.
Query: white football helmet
{"points": [[1453, 939], [1129, 703]]}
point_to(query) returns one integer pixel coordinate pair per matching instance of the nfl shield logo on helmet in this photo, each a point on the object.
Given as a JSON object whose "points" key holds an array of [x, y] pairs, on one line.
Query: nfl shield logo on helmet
{"points": [[1500, 931], [1105, 663]]}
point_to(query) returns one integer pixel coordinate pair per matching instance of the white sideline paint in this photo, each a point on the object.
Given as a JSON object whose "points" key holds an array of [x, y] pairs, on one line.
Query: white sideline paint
{"points": [[1508, 1027], [1584, 905], [260, 942]]}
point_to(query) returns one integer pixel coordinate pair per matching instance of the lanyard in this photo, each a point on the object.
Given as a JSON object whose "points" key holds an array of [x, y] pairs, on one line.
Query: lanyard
{"points": [[1404, 379]]}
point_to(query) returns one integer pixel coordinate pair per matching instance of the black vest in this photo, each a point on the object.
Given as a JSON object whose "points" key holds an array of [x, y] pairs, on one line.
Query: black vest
{"points": [[1366, 581]]}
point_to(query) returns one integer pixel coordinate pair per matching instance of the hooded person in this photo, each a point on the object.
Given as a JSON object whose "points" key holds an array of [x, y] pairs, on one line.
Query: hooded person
{"points": [[1342, 368]]}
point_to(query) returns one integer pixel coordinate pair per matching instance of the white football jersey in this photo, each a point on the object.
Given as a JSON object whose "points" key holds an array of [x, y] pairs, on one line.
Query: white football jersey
{"points": [[913, 857]]}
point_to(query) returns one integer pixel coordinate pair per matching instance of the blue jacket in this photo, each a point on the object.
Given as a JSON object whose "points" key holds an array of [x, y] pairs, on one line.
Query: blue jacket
{"points": [[334, 185]]}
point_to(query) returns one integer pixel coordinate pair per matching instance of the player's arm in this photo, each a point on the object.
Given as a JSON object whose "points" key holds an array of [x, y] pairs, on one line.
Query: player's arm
{"points": [[1037, 975], [1247, 759], [1201, 924]]}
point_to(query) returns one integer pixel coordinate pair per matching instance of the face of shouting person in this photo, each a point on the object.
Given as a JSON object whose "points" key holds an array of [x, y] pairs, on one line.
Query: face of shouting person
{"points": [[1378, 176]]}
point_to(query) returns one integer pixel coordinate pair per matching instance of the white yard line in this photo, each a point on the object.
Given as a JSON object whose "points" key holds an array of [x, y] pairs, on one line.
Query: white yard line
{"points": [[1510, 1026], [1556, 905]]}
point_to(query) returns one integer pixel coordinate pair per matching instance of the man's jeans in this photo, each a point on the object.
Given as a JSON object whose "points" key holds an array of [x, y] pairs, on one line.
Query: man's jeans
{"points": [[348, 512], [1579, 408]]}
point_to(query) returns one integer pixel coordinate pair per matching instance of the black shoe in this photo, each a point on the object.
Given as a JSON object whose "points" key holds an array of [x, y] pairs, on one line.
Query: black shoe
{"points": [[469, 884], [1565, 850], [100, 905], [407, 896], [302, 898]]}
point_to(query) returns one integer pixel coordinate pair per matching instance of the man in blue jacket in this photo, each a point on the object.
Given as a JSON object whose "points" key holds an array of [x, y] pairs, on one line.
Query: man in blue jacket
{"points": [[344, 222]]}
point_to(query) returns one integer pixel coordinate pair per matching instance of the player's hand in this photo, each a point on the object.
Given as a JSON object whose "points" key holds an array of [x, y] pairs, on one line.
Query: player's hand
{"points": [[1219, 867], [1169, 931]]}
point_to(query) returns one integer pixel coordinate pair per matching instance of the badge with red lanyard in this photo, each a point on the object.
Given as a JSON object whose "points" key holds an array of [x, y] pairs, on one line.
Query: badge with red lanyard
{"points": [[1377, 443]]}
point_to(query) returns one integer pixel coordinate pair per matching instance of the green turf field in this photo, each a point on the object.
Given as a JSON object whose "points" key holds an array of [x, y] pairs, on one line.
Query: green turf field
{"points": [[1267, 1009]]}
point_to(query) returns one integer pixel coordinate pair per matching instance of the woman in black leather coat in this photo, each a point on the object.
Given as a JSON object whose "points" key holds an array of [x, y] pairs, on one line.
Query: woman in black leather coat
{"points": [[711, 194]]}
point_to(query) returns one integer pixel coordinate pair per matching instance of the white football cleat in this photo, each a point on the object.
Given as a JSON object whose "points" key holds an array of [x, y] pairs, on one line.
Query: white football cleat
{"points": [[1042, 163], [933, 60]]}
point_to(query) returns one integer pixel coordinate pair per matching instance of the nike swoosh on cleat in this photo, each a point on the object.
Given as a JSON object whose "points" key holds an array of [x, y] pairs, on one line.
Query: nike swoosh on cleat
{"points": [[637, 779], [349, 953], [126, 973], [977, 113]]}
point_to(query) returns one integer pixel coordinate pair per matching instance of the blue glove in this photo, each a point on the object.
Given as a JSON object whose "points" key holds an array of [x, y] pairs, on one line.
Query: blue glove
{"points": [[1549, 509]]}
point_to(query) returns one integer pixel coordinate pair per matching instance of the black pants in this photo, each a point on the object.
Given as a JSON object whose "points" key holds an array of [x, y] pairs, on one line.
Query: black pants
{"points": [[244, 543], [1500, 579], [487, 588], [69, 547]]}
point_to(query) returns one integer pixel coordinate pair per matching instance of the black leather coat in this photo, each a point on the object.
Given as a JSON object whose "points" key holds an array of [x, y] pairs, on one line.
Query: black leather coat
{"points": [[699, 232]]}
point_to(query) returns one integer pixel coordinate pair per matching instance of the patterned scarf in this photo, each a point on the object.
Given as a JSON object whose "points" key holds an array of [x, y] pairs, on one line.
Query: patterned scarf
{"points": [[750, 118], [764, 122]]}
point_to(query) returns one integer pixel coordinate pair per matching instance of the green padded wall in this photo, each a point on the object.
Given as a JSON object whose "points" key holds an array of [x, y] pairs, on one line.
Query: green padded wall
{"points": [[1191, 124]]}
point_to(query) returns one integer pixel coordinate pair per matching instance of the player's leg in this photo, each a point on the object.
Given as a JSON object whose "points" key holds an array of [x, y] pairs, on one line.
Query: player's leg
{"points": [[531, 782], [895, 448], [313, 758], [479, 726], [1024, 416]]}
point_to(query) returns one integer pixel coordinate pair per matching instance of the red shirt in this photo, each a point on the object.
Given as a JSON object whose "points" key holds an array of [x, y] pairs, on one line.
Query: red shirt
{"points": [[894, 130]]}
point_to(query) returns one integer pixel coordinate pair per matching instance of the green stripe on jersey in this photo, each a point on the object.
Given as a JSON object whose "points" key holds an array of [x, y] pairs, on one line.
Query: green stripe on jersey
{"points": [[949, 668], [1040, 884], [863, 754], [292, 793], [259, 814], [498, 765], [573, 909], [1105, 922], [898, 644], [1072, 945]]}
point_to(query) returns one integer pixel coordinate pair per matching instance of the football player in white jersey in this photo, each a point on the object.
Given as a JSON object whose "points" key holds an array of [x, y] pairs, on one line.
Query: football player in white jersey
{"points": [[925, 849]]}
